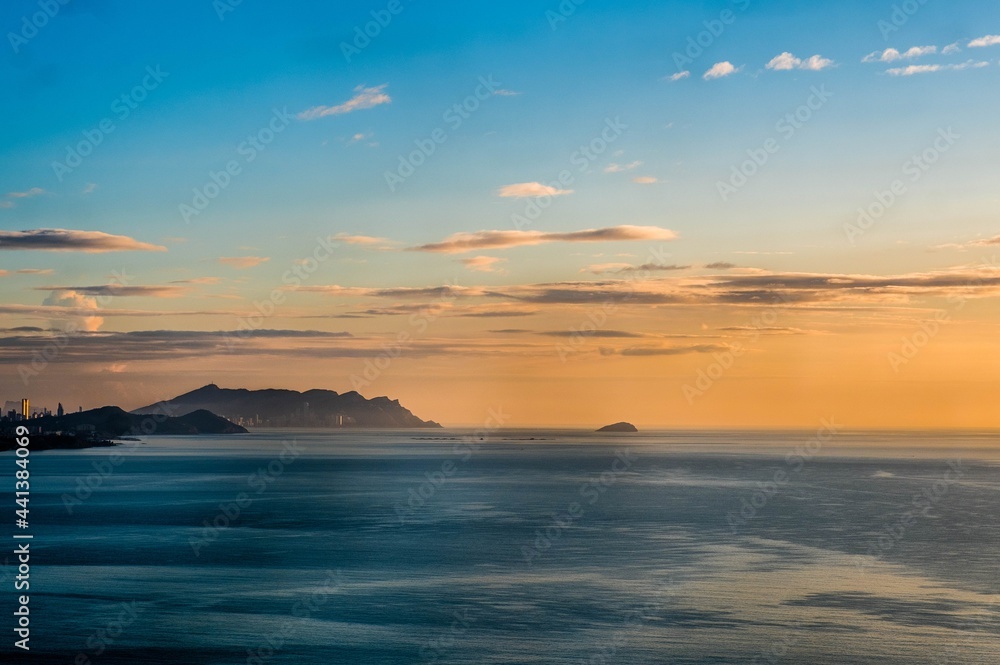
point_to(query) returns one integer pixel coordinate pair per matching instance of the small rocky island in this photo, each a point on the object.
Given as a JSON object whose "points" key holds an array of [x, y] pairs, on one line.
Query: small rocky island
{"points": [[619, 427]]}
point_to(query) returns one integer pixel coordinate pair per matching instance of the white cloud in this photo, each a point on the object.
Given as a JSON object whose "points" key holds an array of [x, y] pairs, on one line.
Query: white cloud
{"points": [[363, 136], [621, 168], [988, 40], [90, 188], [913, 70], [894, 55], [526, 190], [603, 268], [721, 70], [34, 191], [84, 320], [243, 262], [645, 180], [365, 98], [783, 62], [817, 63], [950, 49], [787, 62], [468, 242], [66, 240], [679, 76], [349, 239], [483, 263]]}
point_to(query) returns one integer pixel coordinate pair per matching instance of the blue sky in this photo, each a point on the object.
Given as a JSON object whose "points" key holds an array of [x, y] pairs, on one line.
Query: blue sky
{"points": [[560, 82]]}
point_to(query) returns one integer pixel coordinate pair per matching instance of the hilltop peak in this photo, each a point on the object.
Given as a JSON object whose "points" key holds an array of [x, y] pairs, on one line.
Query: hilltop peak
{"points": [[289, 408]]}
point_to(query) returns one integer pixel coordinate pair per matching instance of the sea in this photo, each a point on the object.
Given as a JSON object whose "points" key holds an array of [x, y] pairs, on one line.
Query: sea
{"points": [[310, 547]]}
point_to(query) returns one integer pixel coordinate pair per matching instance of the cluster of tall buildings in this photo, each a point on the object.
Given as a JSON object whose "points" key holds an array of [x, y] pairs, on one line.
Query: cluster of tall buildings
{"points": [[14, 411]]}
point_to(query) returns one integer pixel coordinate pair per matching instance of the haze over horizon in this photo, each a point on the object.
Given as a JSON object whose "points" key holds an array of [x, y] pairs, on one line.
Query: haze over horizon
{"points": [[576, 217]]}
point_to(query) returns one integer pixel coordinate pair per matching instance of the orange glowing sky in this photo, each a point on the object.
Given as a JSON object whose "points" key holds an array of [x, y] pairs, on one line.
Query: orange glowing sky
{"points": [[502, 219]]}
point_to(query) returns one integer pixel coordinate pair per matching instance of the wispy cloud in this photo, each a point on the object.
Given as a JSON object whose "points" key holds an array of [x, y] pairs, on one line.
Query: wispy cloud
{"points": [[525, 190], [982, 42], [64, 240], [645, 180], [364, 136], [721, 70], [27, 194], [365, 98], [789, 289], [786, 62], [367, 241], [483, 263], [90, 188], [86, 307], [243, 262], [121, 291], [772, 330], [467, 242], [983, 242], [198, 280], [652, 351], [621, 168], [913, 70], [35, 271], [620, 268], [679, 76], [894, 55]]}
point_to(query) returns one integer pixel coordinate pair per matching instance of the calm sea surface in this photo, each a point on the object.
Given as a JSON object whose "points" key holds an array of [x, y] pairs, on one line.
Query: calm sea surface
{"points": [[309, 547]]}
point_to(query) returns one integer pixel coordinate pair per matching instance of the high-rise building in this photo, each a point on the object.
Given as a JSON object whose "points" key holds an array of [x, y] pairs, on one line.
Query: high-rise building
{"points": [[25, 408], [59, 411]]}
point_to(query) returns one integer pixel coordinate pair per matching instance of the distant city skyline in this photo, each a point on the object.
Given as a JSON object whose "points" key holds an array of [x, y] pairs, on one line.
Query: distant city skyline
{"points": [[717, 214]]}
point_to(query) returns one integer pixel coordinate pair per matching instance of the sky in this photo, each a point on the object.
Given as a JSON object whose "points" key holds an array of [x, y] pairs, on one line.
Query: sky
{"points": [[680, 214]]}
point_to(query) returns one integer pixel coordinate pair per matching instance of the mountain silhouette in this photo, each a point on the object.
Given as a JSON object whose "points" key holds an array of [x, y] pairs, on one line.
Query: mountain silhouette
{"points": [[289, 408], [111, 421]]}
